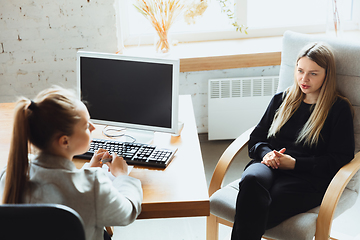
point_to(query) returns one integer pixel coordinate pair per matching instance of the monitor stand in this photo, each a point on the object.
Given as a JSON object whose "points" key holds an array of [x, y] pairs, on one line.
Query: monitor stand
{"points": [[139, 136]]}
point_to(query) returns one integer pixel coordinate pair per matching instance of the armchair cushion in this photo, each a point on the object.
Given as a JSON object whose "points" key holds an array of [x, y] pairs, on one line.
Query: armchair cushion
{"points": [[223, 201]]}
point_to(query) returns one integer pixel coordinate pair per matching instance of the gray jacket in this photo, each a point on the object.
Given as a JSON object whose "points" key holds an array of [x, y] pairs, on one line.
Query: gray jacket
{"points": [[99, 201]]}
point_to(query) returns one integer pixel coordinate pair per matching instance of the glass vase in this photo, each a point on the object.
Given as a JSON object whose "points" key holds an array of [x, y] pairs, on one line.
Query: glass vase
{"points": [[162, 44]]}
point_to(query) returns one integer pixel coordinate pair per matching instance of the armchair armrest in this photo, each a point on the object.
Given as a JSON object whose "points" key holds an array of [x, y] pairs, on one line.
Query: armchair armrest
{"points": [[110, 231], [332, 196], [225, 160]]}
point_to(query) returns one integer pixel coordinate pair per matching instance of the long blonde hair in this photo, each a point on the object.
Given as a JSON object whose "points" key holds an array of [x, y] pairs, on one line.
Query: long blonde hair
{"points": [[52, 113], [322, 55]]}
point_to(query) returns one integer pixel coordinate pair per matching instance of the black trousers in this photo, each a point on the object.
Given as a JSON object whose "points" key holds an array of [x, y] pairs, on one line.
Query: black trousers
{"points": [[106, 235], [267, 197]]}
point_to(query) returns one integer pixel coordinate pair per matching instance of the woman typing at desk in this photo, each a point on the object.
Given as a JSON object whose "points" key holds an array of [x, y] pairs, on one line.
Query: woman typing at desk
{"points": [[58, 125]]}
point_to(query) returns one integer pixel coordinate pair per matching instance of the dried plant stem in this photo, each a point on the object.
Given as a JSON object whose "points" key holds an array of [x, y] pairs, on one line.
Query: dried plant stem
{"points": [[226, 8], [161, 14], [336, 17]]}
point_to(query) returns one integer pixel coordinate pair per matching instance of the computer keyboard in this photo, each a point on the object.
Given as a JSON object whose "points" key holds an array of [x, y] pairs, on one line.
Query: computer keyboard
{"points": [[133, 153]]}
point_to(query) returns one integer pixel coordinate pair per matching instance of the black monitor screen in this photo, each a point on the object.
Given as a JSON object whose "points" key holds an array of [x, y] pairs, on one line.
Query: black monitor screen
{"points": [[127, 91]]}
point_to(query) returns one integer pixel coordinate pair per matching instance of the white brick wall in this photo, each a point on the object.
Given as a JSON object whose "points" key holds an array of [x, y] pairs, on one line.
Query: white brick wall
{"points": [[39, 40]]}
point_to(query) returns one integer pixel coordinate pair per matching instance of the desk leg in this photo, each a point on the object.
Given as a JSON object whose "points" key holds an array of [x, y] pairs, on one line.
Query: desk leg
{"points": [[212, 228]]}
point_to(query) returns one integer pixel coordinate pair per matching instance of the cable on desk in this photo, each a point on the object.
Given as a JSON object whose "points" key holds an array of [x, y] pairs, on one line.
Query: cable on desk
{"points": [[106, 130]]}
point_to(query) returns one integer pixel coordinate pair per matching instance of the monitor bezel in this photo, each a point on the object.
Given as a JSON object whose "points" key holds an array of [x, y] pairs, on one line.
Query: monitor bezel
{"points": [[175, 89]]}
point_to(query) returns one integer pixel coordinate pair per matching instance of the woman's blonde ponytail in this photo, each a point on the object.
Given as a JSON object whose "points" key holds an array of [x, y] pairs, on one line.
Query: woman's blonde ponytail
{"points": [[53, 113], [18, 162]]}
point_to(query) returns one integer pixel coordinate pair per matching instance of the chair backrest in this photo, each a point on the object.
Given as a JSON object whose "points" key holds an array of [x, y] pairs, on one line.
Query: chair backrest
{"points": [[40, 221], [347, 57]]}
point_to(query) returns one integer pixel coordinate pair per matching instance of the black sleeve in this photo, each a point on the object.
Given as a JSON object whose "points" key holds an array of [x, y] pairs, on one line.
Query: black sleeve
{"points": [[259, 145], [340, 145]]}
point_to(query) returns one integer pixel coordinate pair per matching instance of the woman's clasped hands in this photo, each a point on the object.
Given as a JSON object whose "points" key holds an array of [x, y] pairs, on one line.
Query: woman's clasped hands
{"points": [[279, 160]]}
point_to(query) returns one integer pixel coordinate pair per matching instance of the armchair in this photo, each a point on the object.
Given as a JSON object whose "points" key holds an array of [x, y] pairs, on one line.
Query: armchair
{"points": [[344, 188]]}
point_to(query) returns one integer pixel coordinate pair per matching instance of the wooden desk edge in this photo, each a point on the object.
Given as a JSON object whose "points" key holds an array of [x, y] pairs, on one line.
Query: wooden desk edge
{"points": [[179, 209]]}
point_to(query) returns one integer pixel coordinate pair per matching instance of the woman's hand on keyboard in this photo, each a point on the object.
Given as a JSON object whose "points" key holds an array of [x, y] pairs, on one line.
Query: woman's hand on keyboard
{"points": [[117, 166], [98, 155]]}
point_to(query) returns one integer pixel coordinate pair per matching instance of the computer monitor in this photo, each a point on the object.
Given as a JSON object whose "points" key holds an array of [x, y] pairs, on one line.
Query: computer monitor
{"points": [[130, 92]]}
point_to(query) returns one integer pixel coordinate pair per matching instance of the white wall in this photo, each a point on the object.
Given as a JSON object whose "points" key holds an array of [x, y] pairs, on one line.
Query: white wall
{"points": [[196, 84], [39, 40]]}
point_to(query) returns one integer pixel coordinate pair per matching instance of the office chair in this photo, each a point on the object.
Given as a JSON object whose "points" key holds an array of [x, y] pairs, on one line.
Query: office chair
{"points": [[40, 222], [343, 189]]}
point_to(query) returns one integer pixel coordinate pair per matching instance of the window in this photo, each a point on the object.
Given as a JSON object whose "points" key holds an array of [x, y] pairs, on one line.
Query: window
{"points": [[262, 17]]}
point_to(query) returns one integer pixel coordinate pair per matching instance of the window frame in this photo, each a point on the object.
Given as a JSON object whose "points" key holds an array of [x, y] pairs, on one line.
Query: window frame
{"points": [[241, 6]]}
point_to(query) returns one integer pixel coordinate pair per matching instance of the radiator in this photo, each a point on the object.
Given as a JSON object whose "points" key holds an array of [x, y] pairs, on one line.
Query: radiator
{"points": [[236, 104]]}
